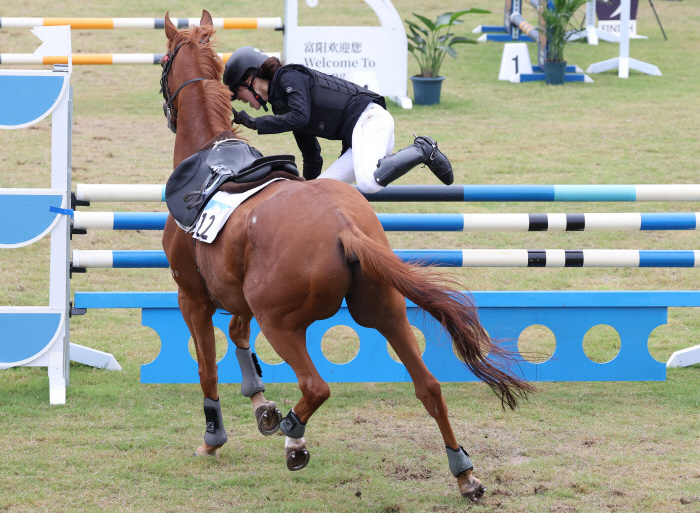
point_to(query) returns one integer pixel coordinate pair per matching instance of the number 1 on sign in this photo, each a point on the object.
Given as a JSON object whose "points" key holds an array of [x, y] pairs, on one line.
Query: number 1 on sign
{"points": [[516, 64]]}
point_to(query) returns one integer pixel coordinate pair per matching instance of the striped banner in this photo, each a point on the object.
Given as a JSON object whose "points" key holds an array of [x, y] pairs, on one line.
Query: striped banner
{"points": [[95, 58], [139, 23], [486, 193], [442, 222], [447, 258]]}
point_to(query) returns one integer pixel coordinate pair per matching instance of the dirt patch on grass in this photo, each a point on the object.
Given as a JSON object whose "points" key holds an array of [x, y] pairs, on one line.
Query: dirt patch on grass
{"points": [[405, 473]]}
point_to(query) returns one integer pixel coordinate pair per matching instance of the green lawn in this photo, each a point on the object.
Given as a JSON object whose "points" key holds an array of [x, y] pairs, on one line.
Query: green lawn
{"points": [[118, 445]]}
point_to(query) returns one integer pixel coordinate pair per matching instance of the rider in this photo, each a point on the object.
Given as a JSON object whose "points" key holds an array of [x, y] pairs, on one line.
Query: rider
{"points": [[312, 104]]}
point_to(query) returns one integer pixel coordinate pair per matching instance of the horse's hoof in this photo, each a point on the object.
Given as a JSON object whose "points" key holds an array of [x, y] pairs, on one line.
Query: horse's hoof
{"points": [[297, 459], [268, 417], [475, 495], [470, 487], [207, 450]]}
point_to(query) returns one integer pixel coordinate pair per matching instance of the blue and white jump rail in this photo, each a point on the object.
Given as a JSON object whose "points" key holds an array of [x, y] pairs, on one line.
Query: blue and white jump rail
{"points": [[634, 315], [431, 193], [443, 222], [131, 259], [38, 336]]}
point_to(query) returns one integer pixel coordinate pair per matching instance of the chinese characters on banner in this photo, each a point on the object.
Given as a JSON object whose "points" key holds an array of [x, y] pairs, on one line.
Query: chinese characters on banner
{"points": [[372, 56], [337, 57]]}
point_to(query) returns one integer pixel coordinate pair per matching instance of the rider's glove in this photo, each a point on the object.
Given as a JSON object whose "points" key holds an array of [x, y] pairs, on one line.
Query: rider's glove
{"points": [[242, 118]]}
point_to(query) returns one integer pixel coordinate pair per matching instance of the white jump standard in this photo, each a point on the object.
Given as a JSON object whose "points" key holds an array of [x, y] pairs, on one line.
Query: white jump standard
{"points": [[39, 336]]}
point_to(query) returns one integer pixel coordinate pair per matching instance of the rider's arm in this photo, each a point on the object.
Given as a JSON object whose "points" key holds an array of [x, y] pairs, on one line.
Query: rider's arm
{"points": [[311, 154], [293, 87]]}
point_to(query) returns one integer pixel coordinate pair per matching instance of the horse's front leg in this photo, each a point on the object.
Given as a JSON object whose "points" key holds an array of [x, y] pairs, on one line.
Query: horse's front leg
{"points": [[198, 316], [267, 415]]}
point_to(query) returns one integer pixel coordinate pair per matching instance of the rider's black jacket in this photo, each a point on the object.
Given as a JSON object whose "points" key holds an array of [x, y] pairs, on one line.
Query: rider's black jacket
{"points": [[311, 104]]}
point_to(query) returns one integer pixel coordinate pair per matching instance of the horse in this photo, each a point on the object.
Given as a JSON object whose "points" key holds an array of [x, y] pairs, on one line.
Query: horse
{"points": [[288, 256]]}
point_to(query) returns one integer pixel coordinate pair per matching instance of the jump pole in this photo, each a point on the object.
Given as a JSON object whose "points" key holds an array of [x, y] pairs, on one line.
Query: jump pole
{"points": [[130, 259], [94, 58], [140, 23], [445, 193], [443, 222]]}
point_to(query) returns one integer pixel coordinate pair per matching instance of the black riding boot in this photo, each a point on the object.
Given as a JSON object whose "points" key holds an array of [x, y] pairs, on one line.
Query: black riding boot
{"points": [[423, 151]]}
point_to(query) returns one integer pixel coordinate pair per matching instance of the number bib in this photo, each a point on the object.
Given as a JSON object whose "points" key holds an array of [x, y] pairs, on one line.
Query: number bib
{"points": [[218, 210]]}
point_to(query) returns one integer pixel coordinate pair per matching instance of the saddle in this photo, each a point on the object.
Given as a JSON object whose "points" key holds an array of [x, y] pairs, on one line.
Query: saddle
{"points": [[200, 176]]}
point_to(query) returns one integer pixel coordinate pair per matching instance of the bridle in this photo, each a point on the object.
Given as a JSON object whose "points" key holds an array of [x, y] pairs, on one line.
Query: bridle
{"points": [[167, 64]]}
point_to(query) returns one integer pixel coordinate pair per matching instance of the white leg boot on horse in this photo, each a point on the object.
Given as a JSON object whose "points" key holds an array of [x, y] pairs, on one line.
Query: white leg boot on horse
{"points": [[267, 415]]}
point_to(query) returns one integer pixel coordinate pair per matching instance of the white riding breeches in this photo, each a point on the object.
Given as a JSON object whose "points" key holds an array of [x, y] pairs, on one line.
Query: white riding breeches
{"points": [[372, 139]]}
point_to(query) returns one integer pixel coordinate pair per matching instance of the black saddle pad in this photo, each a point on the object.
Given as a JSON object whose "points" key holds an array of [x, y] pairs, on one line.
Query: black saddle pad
{"points": [[198, 177]]}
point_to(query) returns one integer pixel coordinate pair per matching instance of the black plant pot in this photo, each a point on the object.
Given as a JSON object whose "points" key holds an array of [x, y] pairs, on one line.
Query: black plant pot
{"points": [[554, 72]]}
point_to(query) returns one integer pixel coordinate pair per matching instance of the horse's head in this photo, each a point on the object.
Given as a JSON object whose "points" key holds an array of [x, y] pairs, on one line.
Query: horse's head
{"points": [[195, 98]]}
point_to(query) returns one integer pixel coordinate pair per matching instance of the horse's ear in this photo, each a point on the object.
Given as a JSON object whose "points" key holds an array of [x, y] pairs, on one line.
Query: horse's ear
{"points": [[206, 19], [170, 29]]}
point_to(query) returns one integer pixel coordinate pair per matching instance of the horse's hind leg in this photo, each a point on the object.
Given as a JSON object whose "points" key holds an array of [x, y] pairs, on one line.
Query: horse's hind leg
{"points": [[267, 415], [290, 345], [428, 390], [383, 308]]}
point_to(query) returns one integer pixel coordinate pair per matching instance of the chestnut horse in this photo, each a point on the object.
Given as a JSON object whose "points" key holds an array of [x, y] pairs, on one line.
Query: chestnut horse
{"points": [[288, 256]]}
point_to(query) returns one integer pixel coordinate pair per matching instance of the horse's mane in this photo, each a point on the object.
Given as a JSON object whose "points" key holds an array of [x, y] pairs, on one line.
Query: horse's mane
{"points": [[217, 95]]}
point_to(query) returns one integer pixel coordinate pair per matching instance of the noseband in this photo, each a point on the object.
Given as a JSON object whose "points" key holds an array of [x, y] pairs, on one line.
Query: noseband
{"points": [[169, 58]]}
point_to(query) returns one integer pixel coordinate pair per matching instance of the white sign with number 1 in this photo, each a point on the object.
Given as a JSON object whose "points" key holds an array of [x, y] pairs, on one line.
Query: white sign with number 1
{"points": [[516, 59]]}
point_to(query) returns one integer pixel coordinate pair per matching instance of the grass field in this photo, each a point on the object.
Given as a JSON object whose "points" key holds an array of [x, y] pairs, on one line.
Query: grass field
{"points": [[118, 445]]}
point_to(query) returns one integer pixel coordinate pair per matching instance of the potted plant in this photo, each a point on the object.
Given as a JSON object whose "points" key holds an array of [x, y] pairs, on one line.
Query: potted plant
{"points": [[429, 45], [558, 15]]}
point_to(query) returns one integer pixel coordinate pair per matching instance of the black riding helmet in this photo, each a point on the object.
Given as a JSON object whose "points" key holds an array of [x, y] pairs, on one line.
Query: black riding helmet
{"points": [[241, 61]]}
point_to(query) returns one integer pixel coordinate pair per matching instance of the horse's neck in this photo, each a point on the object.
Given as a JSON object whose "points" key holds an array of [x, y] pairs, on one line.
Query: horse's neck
{"points": [[194, 128]]}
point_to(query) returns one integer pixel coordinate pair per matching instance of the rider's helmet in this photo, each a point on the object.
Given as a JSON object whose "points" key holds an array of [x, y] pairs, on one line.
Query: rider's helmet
{"points": [[243, 60]]}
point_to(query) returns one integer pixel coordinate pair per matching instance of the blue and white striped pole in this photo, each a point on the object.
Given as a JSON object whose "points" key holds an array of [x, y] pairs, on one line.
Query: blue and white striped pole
{"points": [[442, 222], [486, 193], [449, 258], [689, 192]]}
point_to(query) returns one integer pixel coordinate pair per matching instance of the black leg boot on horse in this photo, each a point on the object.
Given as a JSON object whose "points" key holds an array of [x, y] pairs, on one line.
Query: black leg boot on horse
{"points": [[424, 150]]}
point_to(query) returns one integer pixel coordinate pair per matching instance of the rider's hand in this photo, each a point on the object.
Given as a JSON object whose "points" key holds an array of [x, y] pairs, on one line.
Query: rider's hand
{"points": [[242, 118]]}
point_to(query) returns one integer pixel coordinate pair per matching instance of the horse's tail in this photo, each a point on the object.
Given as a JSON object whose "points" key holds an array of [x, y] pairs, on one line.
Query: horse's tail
{"points": [[456, 312]]}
